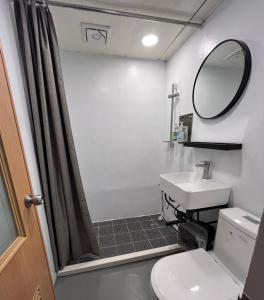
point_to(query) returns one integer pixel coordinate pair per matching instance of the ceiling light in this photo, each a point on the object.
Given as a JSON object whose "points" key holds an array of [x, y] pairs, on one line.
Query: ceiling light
{"points": [[150, 40], [195, 288]]}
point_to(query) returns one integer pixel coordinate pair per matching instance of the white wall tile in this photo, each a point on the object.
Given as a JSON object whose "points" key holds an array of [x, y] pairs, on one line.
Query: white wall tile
{"points": [[115, 106]]}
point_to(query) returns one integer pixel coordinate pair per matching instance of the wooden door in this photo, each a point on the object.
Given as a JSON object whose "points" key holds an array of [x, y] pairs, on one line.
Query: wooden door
{"points": [[24, 272]]}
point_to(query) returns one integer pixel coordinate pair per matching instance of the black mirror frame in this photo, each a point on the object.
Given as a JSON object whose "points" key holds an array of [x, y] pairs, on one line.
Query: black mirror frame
{"points": [[243, 84]]}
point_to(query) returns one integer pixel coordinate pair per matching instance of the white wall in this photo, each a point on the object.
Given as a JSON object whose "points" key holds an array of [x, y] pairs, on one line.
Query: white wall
{"points": [[115, 107], [8, 42], [243, 170]]}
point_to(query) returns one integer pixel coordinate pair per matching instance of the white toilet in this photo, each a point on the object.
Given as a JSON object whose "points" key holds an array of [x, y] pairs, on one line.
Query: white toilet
{"points": [[216, 275]]}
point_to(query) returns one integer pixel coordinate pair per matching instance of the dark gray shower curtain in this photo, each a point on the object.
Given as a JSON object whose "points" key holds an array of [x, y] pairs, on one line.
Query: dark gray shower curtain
{"points": [[71, 232]]}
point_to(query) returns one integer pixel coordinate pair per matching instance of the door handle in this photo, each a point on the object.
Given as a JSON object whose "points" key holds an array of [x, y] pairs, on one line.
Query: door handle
{"points": [[33, 199]]}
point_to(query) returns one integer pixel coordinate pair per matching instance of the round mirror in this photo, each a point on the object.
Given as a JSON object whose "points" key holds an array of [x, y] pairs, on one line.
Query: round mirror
{"points": [[221, 79]]}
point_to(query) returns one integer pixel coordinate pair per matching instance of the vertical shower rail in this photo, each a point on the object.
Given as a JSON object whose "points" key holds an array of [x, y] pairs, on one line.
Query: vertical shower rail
{"points": [[174, 94]]}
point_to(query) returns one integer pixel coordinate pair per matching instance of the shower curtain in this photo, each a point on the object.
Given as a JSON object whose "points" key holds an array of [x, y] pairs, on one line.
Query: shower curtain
{"points": [[71, 232]]}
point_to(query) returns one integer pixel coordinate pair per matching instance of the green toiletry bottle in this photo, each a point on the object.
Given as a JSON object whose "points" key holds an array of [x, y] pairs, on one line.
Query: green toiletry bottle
{"points": [[175, 132]]}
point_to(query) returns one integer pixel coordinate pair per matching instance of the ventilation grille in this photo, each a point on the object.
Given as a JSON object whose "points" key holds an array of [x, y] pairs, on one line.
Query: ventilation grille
{"points": [[94, 34]]}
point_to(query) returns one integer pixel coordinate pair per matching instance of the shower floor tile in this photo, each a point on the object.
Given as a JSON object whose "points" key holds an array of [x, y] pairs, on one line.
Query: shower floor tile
{"points": [[135, 234], [120, 228], [142, 245], [160, 242], [122, 238], [106, 241], [107, 230], [125, 249], [138, 236], [135, 226], [153, 233], [108, 252]]}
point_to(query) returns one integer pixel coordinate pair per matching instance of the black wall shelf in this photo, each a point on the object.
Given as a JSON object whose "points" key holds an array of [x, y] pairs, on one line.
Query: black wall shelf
{"points": [[216, 146]]}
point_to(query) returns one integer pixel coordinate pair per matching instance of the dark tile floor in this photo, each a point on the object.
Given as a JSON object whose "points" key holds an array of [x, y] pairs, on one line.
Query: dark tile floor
{"points": [[124, 236]]}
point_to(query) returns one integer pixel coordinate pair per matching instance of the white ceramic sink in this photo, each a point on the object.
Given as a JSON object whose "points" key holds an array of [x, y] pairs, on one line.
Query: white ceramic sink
{"points": [[192, 192]]}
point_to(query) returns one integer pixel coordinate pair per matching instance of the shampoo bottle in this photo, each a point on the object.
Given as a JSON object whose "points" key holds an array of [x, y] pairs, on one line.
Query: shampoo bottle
{"points": [[181, 134]]}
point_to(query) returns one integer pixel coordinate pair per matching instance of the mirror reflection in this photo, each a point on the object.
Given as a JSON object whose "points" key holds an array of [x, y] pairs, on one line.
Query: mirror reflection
{"points": [[221, 79]]}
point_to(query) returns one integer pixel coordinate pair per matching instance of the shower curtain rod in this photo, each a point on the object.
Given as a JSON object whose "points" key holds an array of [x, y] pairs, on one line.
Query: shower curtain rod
{"points": [[120, 13]]}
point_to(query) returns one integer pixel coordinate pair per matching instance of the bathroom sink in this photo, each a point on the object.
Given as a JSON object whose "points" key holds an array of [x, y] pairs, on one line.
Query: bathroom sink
{"points": [[192, 192]]}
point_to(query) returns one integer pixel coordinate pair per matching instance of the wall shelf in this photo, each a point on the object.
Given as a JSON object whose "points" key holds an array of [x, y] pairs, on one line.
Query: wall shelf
{"points": [[216, 146]]}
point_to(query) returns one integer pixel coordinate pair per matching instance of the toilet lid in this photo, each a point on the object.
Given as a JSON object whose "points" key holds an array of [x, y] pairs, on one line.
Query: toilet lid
{"points": [[192, 275]]}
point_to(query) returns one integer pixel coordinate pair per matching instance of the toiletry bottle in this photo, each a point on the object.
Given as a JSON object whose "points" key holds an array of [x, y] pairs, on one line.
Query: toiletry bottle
{"points": [[175, 132], [186, 133], [181, 134]]}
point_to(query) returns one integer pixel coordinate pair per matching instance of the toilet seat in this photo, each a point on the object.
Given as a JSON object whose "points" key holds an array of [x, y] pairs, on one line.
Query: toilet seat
{"points": [[192, 275]]}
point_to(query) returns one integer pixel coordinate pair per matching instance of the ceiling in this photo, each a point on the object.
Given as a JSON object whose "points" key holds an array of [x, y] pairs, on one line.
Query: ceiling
{"points": [[126, 33]]}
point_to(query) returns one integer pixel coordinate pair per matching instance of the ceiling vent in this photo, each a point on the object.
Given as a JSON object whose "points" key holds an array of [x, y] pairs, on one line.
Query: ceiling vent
{"points": [[95, 34]]}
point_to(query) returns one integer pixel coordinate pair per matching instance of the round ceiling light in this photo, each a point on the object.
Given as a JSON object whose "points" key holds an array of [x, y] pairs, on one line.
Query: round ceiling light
{"points": [[150, 40]]}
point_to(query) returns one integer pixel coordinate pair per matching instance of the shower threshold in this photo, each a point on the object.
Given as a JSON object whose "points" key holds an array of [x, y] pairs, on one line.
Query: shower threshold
{"points": [[119, 260], [129, 240]]}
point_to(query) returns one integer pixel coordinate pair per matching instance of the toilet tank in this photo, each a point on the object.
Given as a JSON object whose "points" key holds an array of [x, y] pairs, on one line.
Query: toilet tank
{"points": [[235, 240]]}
